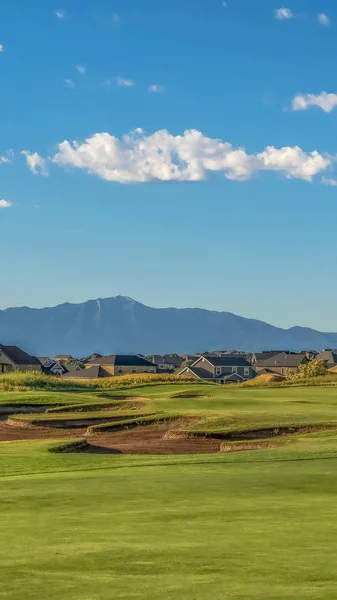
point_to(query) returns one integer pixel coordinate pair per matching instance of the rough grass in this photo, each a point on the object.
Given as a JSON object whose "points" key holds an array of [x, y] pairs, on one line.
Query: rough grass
{"points": [[25, 381]]}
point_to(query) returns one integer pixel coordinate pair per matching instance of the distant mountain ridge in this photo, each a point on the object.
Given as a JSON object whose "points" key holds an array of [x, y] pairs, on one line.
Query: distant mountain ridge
{"points": [[120, 324]]}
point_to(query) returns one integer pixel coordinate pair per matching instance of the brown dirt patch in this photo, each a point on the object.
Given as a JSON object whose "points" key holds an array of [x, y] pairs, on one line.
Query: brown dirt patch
{"points": [[9, 433], [225, 447], [140, 440], [151, 440]]}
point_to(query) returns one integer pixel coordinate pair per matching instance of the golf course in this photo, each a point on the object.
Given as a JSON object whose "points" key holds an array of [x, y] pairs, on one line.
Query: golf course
{"points": [[170, 490]]}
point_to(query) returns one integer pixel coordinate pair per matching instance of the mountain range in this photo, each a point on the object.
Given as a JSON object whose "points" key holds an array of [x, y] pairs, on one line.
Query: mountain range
{"points": [[122, 325]]}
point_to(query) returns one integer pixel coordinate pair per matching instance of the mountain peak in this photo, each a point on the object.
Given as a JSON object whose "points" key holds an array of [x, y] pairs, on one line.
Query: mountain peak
{"points": [[102, 325]]}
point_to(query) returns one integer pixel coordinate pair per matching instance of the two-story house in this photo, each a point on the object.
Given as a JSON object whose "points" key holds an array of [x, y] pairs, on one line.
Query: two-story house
{"points": [[280, 363], [123, 364], [223, 369]]}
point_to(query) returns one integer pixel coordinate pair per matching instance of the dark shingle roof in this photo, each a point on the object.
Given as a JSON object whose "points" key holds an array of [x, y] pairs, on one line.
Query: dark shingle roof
{"points": [[91, 373], [202, 373], [18, 356], [123, 360], [282, 360], [227, 361]]}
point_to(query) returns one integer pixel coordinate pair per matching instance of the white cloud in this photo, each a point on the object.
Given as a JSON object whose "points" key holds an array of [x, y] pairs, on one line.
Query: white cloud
{"points": [[81, 69], [125, 82], [329, 181], [69, 83], [60, 14], [5, 204], [323, 19], [156, 88], [1, 47], [116, 18], [283, 14], [140, 158], [36, 163], [326, 102], [4, 160]]}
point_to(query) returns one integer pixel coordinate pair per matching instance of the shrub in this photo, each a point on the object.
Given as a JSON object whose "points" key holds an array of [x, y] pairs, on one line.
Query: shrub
{"points": [[315, 368]]}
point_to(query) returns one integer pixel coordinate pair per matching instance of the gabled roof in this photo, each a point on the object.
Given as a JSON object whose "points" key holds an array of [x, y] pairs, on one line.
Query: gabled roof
{"points": [[200, 373], [94, 372], [329, 356], [266, 355], [122, 360], [63, 357], [224, 361], [43, 359], [18, 356], [283, 360]]}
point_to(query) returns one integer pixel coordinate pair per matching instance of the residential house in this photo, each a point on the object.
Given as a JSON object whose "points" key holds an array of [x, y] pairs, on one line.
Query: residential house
{"points": [[329, 357], [13, 358], [91, 357], [266, 355], [95, 372], [280, 363], [222, 369], [62, 358], [52, 367], [123, 364], [167, 363]]}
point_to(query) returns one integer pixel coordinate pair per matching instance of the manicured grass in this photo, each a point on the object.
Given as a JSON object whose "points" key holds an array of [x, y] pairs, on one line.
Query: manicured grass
{"points": [[154, 528], [257, 525]]}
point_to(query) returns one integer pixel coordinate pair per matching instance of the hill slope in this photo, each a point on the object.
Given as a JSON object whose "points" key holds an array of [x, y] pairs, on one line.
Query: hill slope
{"points": [[123, 325]]}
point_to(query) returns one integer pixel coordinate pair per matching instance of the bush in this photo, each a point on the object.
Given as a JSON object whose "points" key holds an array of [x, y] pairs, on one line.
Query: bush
{"points": [[315, 368]]}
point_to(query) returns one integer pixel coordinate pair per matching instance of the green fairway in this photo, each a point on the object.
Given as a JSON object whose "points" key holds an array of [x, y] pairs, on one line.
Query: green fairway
{"points": [[245, 525]]}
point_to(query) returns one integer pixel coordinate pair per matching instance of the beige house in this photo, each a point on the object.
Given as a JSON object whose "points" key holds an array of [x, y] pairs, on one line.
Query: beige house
{"points": [[123, 364], [13, 358]]}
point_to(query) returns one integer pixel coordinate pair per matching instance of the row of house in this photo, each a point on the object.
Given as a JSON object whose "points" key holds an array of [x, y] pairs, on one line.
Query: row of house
{"points": [[228, 366]]}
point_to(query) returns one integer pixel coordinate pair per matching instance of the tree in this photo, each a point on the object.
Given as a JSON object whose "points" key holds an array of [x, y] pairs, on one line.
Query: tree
{"points": [[187, 363], [315, 368]]}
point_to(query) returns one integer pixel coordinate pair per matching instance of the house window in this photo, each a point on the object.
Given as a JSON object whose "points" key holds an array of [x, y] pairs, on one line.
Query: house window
{"points": [[218, 370], [246, 371], [234, 369]]}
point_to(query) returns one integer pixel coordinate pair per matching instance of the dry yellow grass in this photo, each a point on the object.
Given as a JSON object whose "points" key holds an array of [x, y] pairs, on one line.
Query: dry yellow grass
{"points": [[25, 381], [261, 380]]}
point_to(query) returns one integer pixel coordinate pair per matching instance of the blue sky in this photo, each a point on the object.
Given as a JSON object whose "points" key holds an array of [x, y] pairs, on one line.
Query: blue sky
{"points": [[252, 233]]}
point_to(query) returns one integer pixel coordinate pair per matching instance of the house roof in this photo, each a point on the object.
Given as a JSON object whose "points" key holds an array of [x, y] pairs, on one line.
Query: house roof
{"points": [[92, 373], [225, 361], [123, 360], [283, 360], [91, 357], [329, 356], [175, 361], [266, 355], [201, 373], [63, 357], [43, 359], [18, 356]]}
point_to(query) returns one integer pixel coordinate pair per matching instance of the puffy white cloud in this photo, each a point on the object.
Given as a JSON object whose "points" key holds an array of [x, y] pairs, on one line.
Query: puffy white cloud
{"points": [[329, 181], [5, 204], [69, 83], [1, 47], [60, 14], [81, 69], [324, 101], [140, 158], [323, 19], [156, 88], [36, 163], [283, 14], [124, 82]]}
